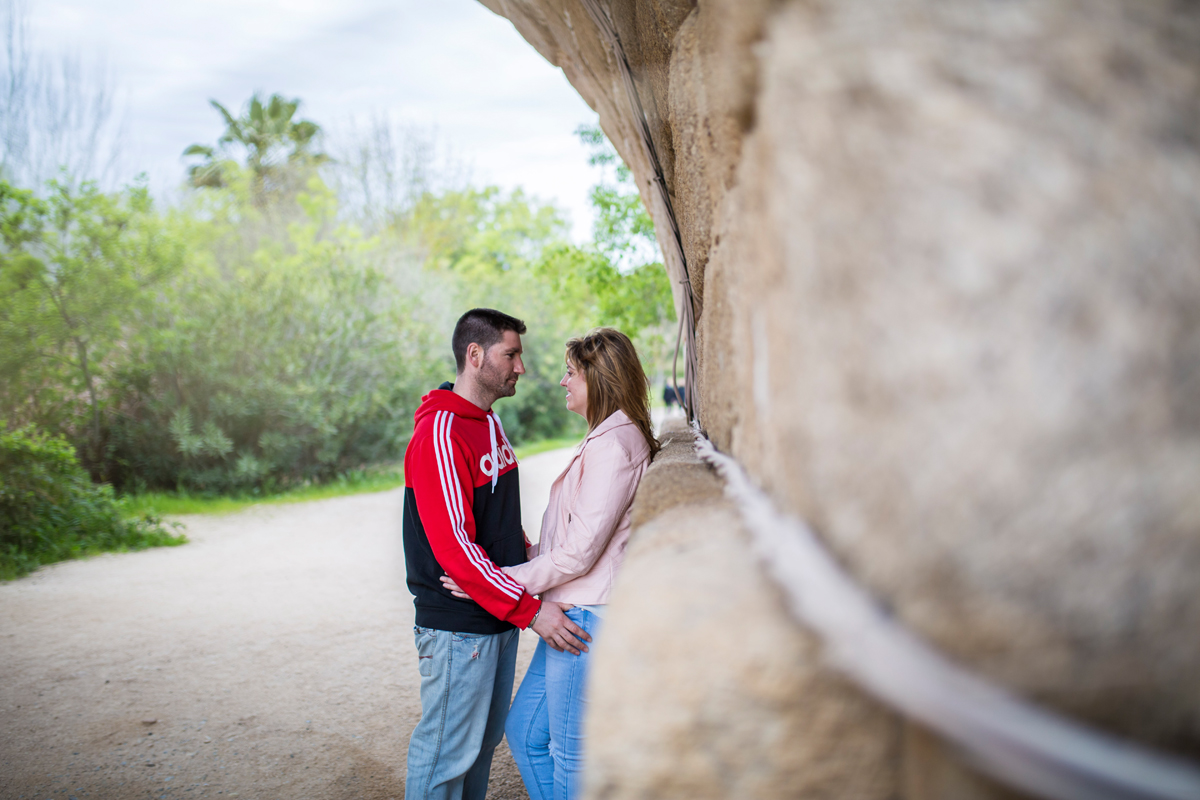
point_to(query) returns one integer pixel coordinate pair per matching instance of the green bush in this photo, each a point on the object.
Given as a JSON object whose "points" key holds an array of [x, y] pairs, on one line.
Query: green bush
{"points": [[77, 270], [283, 354], [51, 511]]}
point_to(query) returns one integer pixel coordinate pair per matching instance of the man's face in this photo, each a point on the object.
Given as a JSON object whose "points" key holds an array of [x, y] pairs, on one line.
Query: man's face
{"points": [[502, 365]]}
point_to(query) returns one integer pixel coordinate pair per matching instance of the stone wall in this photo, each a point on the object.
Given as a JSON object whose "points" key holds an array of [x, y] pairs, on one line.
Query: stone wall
{"points": [[946, 259]]}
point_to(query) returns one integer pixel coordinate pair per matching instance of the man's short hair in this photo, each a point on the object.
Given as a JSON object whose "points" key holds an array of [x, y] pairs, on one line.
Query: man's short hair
{"points": [[484, 327]]}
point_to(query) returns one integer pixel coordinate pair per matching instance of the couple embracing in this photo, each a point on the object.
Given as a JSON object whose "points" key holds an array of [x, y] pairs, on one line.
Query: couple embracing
{"points": [[477, 579]]}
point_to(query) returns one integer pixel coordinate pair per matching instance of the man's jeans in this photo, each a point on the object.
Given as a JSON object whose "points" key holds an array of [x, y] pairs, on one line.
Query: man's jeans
{"points": [[545, 725], [466, 682]]}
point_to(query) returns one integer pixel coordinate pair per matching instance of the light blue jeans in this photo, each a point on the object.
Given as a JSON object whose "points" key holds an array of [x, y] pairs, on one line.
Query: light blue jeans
{"points": [[545, 724], [466, 681]]}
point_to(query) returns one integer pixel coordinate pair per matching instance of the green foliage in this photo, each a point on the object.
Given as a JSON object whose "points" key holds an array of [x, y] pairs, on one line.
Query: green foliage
{"points": [[624, 232], [253, 342], [76, 271], [477, 233], [510, 252], [485, 245], [619, 279], [588, 287], [283, 354], [216, 348], [51, 511]]}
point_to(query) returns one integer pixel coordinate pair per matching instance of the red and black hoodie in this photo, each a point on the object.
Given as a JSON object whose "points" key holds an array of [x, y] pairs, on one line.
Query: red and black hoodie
{"points": [[462, 518]]}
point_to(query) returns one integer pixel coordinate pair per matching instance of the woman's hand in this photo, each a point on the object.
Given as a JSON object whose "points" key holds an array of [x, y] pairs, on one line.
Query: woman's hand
{"points": [[454, 588]]}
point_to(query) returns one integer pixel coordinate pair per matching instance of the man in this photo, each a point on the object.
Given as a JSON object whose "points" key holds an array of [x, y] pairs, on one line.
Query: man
{"points": [[462, 518]]}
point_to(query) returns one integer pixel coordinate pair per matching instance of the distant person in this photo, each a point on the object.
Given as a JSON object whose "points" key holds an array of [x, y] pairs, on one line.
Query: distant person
{"points": [[582, 545], [462, 518], [674, 397]]}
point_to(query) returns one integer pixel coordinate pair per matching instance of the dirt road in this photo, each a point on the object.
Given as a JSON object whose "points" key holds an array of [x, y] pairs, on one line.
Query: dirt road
{"points": [[272, 657]]}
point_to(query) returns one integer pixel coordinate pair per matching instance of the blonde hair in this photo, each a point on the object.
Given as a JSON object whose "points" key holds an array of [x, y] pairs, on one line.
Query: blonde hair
{"points": [[615, 380]]}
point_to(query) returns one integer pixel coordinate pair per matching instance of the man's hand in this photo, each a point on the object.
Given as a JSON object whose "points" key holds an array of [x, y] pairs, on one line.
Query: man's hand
{"points": [[552, 624], [556, 629]]}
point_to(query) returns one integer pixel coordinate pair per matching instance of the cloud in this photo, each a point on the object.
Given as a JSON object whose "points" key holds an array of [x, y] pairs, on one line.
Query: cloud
{"points": [[450, 64]]}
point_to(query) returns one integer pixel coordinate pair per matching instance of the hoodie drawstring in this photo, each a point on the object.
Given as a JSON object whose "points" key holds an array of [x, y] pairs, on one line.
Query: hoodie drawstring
{"points": [[503, 435], [495, 451]]}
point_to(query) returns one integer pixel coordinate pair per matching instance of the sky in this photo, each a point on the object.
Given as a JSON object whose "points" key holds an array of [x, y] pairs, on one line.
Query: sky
{"points": [[452, 66]]}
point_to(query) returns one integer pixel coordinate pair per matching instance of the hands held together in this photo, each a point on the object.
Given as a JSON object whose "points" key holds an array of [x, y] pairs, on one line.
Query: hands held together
{"points": [[551, 623]]}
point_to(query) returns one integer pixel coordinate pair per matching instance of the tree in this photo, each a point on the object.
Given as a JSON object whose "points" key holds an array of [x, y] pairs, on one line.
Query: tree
{"points": [[623, 231], [286, 350], [618, 280], [274, 144], [56, 116], [382, 170], [481, 233], [484, 245], [589, 289], [76, 269]]}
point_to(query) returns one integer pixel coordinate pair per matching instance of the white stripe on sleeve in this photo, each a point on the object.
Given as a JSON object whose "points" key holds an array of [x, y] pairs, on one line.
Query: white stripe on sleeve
{"points": [[452, 494]]}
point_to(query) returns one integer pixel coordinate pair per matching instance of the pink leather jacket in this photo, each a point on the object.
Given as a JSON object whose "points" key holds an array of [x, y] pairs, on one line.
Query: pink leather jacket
{"points": [[586, 525]]}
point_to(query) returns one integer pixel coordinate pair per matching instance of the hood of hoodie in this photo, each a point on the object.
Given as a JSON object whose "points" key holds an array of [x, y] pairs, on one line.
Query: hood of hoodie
{"points": [[444, 399]]}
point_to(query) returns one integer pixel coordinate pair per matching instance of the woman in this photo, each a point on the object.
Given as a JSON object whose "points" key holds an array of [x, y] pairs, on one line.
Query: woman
{"points": [[582, 544]]}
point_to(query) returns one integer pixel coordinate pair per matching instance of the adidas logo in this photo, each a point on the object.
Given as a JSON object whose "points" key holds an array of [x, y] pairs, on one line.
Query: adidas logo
{"points": [[507, 458]]}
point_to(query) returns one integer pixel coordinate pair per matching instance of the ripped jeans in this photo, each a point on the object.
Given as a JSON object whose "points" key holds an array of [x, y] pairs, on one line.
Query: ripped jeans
{"points": [[466, 681]]}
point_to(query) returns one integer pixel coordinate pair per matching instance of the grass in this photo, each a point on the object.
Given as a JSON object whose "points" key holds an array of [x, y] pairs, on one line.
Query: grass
{"points": [[378, 479], [546, 445], [66, 544], [375, 479]]}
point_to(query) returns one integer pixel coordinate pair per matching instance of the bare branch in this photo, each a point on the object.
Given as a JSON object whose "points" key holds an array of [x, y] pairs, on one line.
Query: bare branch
{"points": [[57, 116]]}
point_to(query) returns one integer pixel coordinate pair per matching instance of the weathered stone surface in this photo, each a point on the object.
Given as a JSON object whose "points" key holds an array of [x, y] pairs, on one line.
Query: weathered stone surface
{"points": [[968, 350], [708, 689], [947, 265], [704, 687]]}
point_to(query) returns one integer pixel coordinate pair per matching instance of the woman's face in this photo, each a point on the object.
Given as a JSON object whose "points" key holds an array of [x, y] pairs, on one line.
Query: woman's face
{"points": [[576, 390]]}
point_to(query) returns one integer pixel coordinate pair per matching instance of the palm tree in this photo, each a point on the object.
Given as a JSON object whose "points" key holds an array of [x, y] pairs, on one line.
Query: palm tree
{"points": [[272, 140]]}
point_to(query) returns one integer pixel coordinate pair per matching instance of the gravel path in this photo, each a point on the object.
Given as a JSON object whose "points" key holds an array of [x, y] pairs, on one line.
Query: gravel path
{"points": [[272, 657]]}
